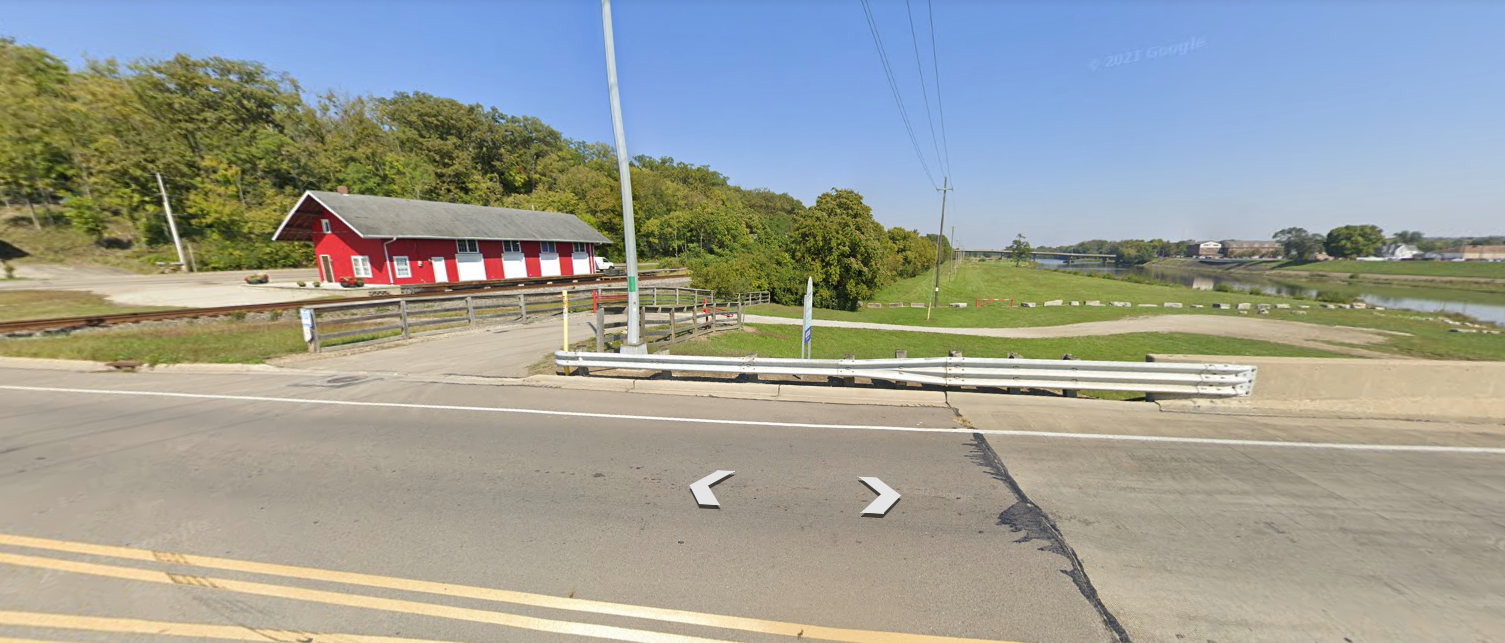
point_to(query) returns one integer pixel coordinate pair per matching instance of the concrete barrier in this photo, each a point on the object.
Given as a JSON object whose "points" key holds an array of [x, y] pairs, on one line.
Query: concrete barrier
{"points": [[1375, 388]]}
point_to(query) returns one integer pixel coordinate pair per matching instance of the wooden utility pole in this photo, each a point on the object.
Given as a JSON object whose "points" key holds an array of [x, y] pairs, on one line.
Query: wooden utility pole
{"points": [[940, 256]]}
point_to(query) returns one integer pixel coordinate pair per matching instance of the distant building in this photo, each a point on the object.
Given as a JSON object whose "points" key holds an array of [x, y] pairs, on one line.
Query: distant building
{"points": [[1398, 252], [1247, 249], [385, 240], [1482, 253], [1204, 249]]}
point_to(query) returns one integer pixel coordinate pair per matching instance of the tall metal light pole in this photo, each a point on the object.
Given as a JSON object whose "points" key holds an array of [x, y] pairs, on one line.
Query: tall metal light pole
{"points": [[634, 343], [172, 225], [940, 253]]}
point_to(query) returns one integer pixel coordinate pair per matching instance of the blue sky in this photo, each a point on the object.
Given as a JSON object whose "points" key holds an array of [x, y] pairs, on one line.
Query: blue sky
{"points": [[1290, 113]]}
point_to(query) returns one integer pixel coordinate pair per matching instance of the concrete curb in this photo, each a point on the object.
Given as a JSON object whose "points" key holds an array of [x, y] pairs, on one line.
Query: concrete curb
{"points": [[43, 364]]}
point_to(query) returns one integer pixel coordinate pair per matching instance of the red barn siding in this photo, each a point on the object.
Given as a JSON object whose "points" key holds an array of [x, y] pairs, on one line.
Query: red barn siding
{"points": [[342, 243]]}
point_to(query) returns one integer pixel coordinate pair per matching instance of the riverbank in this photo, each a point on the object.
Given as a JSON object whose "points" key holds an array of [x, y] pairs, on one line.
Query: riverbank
{"points": [[1486, 277]]}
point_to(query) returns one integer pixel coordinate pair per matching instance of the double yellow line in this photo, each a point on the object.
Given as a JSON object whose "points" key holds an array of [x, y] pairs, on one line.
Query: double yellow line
{"points": [[753, 625]]}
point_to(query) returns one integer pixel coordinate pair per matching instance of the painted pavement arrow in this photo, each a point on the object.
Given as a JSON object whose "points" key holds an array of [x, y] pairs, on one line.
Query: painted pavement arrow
{"points": [[702, 489], [885, 500]]}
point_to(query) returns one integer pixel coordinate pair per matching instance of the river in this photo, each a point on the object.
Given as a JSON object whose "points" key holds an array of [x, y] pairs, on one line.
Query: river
{"points": [[1483, 306]]}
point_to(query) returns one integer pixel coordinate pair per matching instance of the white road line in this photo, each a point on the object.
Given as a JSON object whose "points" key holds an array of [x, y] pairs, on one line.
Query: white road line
{"points": [[1407, 448]]}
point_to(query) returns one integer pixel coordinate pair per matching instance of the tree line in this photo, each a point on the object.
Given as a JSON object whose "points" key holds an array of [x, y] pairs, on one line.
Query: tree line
{"points": [[236, 142], [1342, 242]]}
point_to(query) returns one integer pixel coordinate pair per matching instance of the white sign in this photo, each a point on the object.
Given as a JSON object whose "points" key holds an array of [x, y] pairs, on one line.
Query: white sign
{"points": [[307, 314], [805, 336]]}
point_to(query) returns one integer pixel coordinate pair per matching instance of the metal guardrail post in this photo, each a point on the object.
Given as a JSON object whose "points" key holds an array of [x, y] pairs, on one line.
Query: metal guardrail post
{"points": [[470, 311], [522, 306], [402, 312]]}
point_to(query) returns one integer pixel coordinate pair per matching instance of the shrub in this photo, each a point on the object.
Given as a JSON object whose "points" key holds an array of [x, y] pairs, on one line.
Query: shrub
{"points": [[1223, 287], [302, 284], [317, 284]]}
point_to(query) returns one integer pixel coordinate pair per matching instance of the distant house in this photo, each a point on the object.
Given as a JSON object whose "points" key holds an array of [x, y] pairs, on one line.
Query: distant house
{"points": [[1247, 249], [1398, 252], [384, 240], [1482, 253], [1204, 249]]}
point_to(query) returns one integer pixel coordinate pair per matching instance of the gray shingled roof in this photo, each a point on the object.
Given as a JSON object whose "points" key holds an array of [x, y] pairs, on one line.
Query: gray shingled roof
{"points": [[381, 217]]}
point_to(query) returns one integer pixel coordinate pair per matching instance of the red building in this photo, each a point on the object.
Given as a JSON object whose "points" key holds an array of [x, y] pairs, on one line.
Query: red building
{"points": [[385, 240]]}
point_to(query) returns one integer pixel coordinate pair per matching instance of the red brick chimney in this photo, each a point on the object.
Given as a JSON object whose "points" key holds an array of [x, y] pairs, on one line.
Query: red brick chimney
{"points": [[342, 190]]}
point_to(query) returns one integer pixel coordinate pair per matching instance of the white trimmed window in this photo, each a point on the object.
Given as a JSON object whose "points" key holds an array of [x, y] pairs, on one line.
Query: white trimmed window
{"points": [[324, 225], [548, 247], [512, 246], [361, 265], [401, 268], [467, 245]]}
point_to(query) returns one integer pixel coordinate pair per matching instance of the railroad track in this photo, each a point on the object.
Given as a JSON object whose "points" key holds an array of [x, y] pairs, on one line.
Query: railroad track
{"points": [[426, 290]]}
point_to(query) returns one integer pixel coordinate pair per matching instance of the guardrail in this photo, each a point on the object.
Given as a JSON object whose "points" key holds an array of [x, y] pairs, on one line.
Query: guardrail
{"points": [[668, 324], [361, 322], [680, 313], [1190, 380]]}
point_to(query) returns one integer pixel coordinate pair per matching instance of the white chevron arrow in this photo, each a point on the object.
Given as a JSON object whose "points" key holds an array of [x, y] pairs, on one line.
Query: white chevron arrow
{"points": [[885, 500], [702, 489]]}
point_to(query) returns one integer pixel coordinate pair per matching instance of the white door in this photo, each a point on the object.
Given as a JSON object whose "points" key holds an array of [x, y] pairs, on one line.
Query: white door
{"points": [[441, 271], [513, 265], [548, 264], [470, 266], [582, 263]]}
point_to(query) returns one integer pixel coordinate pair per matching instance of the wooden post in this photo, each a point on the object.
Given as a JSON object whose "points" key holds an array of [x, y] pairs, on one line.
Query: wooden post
{"points": [[470, 311], [740, 314], [601, 329], [522, 306], [402, 314], [673, 324]]}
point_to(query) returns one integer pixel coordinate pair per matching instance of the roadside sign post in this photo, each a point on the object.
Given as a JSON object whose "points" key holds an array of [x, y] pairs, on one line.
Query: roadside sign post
{"points": [[806, 334], [565, 304]]}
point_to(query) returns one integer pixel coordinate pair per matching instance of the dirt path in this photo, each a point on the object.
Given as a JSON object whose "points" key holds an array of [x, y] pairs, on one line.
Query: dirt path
{"points": [[1314, 336]]}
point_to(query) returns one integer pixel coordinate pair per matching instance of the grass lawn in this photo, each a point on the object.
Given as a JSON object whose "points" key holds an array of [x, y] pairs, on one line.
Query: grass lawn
{"points": [[834, 343], [219, 341], [16, 305], [1004, 281], [1428, 339], [1421, 268]]}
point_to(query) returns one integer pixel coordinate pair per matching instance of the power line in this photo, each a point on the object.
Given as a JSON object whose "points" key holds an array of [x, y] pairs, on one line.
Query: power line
{"points": [[936, 65], [893, 86], [924, 91]]}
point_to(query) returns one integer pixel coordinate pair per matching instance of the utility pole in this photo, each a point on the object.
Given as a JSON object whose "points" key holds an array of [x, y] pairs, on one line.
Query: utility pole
{"points": [[953, 252], [940, 256], [634, 343], [171, 224]]}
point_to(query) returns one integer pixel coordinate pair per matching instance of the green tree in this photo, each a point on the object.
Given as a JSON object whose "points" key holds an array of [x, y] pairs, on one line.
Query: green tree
{"points": [[1300, 244], [33, 91], [1409, 237], [838, 243], [1351, 241], [1020, 251]]}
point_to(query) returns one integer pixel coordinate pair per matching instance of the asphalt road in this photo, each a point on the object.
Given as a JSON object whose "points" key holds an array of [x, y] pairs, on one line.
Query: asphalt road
{"points": [[480, 513], [597, 509]]}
